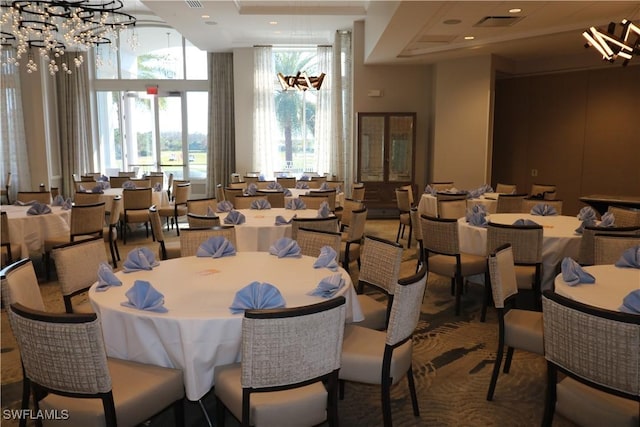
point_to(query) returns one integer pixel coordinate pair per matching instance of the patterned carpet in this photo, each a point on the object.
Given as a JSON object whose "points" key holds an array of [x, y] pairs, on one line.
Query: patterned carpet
{"points": [[452, 361]]}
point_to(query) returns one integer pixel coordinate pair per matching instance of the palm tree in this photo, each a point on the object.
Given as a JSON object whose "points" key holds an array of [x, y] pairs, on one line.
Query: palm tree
{"points": [[290, 106]]}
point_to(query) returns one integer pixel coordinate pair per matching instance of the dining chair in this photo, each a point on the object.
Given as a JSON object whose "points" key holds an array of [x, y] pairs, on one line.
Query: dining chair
{"points": [[202, 206], [337, 184], [19, 284], [117, 181], [244, 202], [625, 217], [6, 191], [87, 221], [9, 253], [385, 357], [265, 184], [324, 224], [38, 196], [166, 250], [135, 209], [110, 231], [316, 181], [286, 181], [344, 214], [87, 178], [510, 203], [452, 208], [169, 186], [90, 387], [443, 256], [77, 265], [543, 191], [587, 250], [352, 238], [178, 206], [608, 248], [596, 351], [404, 207], [506, 188], [409, 188], [141, 182], [379, 271], [231, 193], [312, 241], [330, 194], [526, 246], [84, 198], [202, 221], [240, 184], [313, 201], [155, 180], [175, 183], [417, 233], [521, 329], [127, 174], [289, 369], [275, 198], [357, 191], [55, 192], [528, 204], [192, 238], [249, 179], [220, 193], [442, 185]]}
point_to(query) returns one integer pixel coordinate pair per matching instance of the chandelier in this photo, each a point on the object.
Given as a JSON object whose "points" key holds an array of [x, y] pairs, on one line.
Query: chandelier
{"points": [[54, 27], [300, 81], [611, 46]]}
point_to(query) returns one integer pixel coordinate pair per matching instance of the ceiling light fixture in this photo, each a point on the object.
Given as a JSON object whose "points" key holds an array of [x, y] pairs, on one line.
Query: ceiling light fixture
{"points": [[515, 10], [301, 81], [611, 46], [54, 27], [469, 37]]}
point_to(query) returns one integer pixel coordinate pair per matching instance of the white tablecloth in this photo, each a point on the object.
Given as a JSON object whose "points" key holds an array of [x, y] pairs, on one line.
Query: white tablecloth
{"points": [[428, 204], [611, 286], [559, 239], [158, 198], [28, 232], [199, 332], [260, 231]]}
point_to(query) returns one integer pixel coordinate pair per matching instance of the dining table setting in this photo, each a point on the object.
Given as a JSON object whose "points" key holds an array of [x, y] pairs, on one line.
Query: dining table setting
{"points": [[483, 195]]}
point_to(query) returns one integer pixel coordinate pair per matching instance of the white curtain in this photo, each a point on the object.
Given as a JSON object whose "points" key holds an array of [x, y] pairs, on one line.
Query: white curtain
{"points": [[264, 112], [13, 144], [341, 124], [325, 149]]}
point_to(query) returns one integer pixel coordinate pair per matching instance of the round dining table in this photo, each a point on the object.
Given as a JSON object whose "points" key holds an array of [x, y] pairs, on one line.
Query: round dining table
{"points": [[611, 285], [259, 231], [198, 331], [28, 232], [158, 198], [559, 239]]}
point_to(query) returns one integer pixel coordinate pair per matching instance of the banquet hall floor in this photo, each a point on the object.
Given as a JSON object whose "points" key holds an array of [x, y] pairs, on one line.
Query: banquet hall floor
{"points": [[452, 361]]}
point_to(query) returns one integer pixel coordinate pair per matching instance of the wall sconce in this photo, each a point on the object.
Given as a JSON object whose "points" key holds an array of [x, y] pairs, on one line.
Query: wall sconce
{"points": [[301, 81], [611, 46]]}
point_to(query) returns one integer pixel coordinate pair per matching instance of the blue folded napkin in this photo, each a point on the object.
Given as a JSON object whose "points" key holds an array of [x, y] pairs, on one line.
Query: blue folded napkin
{"points": [[587, 213], [478, 219], [260, 204], [210, 211], [104, 184], [287, 192], [58, 200], [252, 189], [39, 209], [631, 302], [285, 247], [305, 178], [474, 194], [573, 274], [430, 190], [235, 217], [106, 278], [103, 178], [140, 259], [524, 221], [630, 258], [585, 223], [81, 188], [216, 247], [327, 259], [295, 204], [143, 296], [607, 220], [261, 178], [324, 210], [67, 204], [280, 220], [274, 186], [486, 188], [302, 185], [224, 206], [97, 189], [479, 208], [543, 209], [157, 187], [129, 185], [257, 295], [324, 186], [328, 286]]}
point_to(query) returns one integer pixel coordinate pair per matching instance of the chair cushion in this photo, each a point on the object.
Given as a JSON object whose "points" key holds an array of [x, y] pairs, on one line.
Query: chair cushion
{"points": [[138, 215], [139, 392], [523, 329], [525, 274], [445, 265], [588, 407], [362, 354], [295, 407], [375, 313], [173, 249]]}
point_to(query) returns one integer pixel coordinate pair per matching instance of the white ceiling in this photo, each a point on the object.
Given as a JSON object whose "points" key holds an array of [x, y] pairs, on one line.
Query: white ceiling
{"points": [[398, 31]]}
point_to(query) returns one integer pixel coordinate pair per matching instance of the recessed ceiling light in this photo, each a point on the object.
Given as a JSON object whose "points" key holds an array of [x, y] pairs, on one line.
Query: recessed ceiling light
{"points": [[273, 22], [469, 37], [515, 10], [452, 21], [205, 16]]}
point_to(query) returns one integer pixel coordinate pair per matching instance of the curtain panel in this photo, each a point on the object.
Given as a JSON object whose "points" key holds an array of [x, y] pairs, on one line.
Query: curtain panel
{"points": [[342, 106], [264, 112]]}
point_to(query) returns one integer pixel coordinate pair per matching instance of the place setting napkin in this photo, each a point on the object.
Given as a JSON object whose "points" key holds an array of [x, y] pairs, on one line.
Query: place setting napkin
{"points": [[210, 212], [524, 221], [630, 258], [143, 296], [324, 186], [588, 217], [252, 189], [430, 190], [607, 220], [68, 204], [631, 302], [287, 192], [216, 247], [327, 259], [295, 204], [573, 274], [477, 219], [301, 185], [140, 259], [280, 220], [58, 200], [129, 185], [543, 209], [224, 206], [275, 186], [106, 277], [97, 189], [39, 209], [157, 187], [260, 204], [328, 286], [257, 295], [324, 211], [235, 217], [285, 247]]}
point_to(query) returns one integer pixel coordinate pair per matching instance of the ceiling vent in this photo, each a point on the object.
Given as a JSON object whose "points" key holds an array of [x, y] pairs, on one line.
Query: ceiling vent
{"points": [[497, 21], [194, 4]]}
